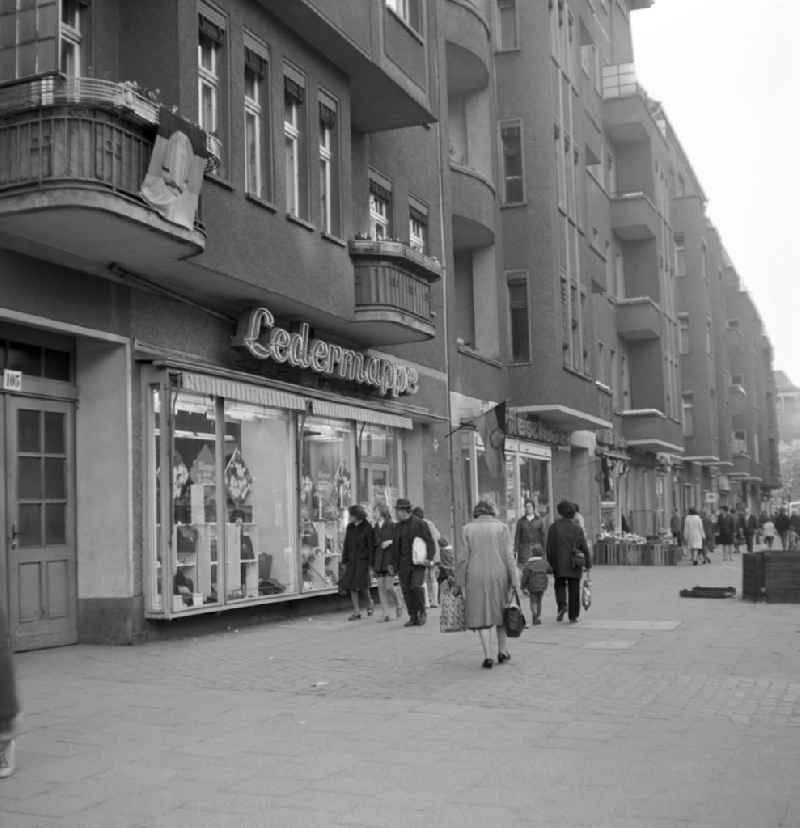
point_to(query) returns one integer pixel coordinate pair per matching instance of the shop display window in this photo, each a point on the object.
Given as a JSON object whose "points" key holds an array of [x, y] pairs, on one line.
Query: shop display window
{"points": [[378, 466], [490, 486], [326, 491], [258, 468], [194, 543], [534, 484]]}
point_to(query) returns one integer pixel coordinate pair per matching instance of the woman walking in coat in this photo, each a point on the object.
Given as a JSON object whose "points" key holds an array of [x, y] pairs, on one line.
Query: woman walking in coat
{"points": [[694, 535], [9, 706], [530, 531], [565, 538], [486, 573], [384, 562], [358, 557]]}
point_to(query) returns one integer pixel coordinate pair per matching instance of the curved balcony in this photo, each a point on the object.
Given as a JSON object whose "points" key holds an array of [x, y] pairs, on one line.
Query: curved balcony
{"points": [[468, 47], [73, 156], [474, 208], [392, 292], [649, 430]]}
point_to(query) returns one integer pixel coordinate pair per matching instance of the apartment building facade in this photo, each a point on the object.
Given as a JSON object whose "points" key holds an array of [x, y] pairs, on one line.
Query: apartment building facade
{"points": [[285, 256]]}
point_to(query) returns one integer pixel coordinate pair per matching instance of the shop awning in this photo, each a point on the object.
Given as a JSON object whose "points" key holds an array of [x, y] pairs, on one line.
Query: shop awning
{"points": [[241, 391], [323, 408]]}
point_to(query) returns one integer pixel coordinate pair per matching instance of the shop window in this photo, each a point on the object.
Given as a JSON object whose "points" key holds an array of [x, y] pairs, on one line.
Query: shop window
{"points": [[257, 155], [193, 562], [258, 463], [491, 487], [379, 479], [328, 165], [326, 491], [294, 96]]}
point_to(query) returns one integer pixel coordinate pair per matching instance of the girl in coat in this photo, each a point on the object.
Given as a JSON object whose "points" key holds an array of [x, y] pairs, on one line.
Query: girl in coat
{"points": [[694, 535], [384, 562], [486, 574], [358, 557]]}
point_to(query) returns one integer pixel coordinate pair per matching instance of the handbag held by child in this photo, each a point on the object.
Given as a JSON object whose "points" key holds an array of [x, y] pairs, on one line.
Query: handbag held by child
{"points": [[513, 619]]}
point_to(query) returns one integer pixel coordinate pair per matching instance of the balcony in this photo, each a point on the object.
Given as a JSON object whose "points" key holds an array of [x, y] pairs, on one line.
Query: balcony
{"points": [[385, 59], [468, 48], [73, 156], [638, 319], [634, 217], [650, 430], [474, 208], [743, 466], [625, 114], [392, 292]]}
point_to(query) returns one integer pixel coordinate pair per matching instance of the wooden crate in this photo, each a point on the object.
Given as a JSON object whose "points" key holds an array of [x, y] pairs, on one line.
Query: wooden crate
{"points": [[753, 576], [782, 577]]}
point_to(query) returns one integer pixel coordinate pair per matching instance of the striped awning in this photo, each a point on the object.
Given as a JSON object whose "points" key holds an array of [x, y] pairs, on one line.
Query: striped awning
{"points": [[323, 408], [241, 391]]}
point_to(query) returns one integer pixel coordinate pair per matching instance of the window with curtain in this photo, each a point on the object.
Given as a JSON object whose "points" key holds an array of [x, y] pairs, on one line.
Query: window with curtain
{"points": [[519, 316], [294, 96], [513, 173]]}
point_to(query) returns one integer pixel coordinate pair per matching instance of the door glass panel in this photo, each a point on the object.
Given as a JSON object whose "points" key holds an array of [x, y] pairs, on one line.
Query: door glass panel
{"points": [[56, 366], [29, 525], [54, 442], [55, 482], [29, 478], [29, 436], [25, 358], [56, 523]]}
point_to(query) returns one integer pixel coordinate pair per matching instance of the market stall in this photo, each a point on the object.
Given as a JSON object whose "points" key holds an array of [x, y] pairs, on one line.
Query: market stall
{"points": [[634, 550]]}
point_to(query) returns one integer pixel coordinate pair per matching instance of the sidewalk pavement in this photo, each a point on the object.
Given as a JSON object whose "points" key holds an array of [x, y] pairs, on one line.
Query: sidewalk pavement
{"points": [[653, 712]]}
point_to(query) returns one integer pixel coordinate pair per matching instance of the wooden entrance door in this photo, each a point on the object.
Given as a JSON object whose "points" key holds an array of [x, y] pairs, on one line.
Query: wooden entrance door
{"points": [[40, 522]]}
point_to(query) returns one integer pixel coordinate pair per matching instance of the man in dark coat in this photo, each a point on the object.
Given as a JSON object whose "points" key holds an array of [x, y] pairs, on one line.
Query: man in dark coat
{"points": [[564, 539], [782, 525], [750, 529], [412, 576]]}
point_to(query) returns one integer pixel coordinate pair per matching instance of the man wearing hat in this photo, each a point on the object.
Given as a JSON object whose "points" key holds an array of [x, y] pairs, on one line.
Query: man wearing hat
{"points": [[412, 576]]}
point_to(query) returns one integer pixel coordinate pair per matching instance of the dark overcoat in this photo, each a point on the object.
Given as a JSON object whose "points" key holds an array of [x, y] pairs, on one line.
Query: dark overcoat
{"points": [[564, 536], [384, 557], [358, 555]]}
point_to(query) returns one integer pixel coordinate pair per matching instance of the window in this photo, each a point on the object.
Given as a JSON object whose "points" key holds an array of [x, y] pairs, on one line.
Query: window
{"points": [[71, 38], [256, 133], [209, 49], [626, 383], [418, 226], [739, 440], [600, 368], [612, 378], [520, 320], [409, 11], [683, 332], [328, 165], [619, 269], [733, 324], [737, 379], [507, 32], [687, 414], [709, 343], [294, 96], [380, 207], [680, 255], [704, 263], [513, 179]]}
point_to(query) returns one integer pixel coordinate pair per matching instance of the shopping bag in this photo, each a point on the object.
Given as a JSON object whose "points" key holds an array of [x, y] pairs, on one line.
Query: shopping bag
{"points": [[419, 552], [513, 619], [586, 593], [452, 617]]}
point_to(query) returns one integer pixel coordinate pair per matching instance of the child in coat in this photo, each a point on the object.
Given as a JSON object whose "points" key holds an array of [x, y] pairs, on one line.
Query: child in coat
{"points": [[534, 580]]}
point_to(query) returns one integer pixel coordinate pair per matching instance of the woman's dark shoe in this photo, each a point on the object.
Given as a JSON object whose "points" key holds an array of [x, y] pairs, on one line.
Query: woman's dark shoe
{"points": [[385, 618], [561, 614], [370, 611], [501, 657], [537, 621], [356, 616], [410, 623], [487, 663], [694, 563], [573, 620]]}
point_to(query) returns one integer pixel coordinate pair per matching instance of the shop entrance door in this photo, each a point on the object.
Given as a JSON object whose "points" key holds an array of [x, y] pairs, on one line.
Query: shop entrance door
{"points": [[39, 522]]}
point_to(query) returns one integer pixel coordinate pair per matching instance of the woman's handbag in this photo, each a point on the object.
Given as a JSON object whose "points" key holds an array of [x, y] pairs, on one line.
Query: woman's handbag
{"points": [[586, 593], [419, 552], [578, 558], [453, 610], [513, 619]]}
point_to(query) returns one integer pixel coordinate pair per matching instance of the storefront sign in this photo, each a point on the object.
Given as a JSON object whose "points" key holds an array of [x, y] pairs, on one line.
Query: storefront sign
{"points": [[12, 380], [535, 430], [258, 334]]}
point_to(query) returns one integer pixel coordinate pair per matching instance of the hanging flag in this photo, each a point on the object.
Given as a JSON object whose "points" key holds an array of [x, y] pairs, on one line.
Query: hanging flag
{"points": [[175, 174], [492, 427]]}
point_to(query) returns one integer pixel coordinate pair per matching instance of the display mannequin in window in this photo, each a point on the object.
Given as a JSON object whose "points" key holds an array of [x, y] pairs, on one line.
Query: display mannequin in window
{"points": [[358, 557]]}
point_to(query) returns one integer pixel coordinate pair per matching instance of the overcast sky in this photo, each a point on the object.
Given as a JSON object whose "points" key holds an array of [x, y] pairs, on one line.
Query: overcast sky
{"points": [[728, 74]]}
